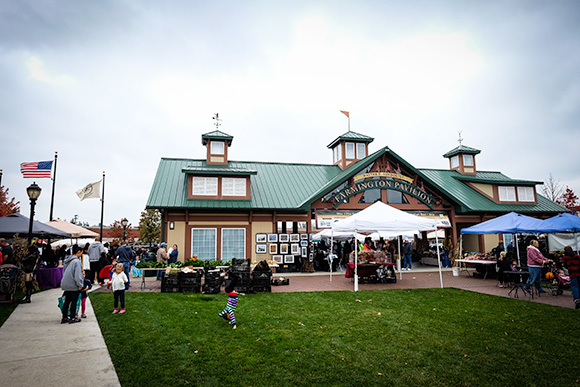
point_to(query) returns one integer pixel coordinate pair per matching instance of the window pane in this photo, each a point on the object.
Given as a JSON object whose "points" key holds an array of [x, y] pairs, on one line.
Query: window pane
{"points": [[350, 150], [371, 196], [233, 186], [454, 161], [203, 243], [507, 194], [217, 148], [360, 151], [468, 160], [339, 155], [204, 186], [233, 243], [396, 197], [526, 194]]}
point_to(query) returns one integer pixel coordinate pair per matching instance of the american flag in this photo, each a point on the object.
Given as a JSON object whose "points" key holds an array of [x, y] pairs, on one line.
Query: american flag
{"points": [[38, 169]]}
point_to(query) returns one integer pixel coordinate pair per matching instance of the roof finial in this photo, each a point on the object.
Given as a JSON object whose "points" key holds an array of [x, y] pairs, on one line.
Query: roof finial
{"points": [[459, 139], [217, 120]]}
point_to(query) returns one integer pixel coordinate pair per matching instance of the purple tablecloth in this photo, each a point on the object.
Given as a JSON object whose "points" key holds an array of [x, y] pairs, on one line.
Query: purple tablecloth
{"points": [[49, 278]]}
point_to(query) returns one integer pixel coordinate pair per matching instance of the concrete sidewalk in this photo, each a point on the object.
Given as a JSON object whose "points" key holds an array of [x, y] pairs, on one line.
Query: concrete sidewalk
{"points": [[37, 350]]}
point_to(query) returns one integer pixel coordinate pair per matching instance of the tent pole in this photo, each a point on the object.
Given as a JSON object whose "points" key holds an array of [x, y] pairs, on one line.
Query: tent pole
{"points": [[517, 249], [438, 257], [355, 263], [330, 255], [576, 239], [399, 257]]}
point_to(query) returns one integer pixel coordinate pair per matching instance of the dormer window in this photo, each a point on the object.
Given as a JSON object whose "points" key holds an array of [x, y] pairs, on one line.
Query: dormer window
{"points": [[205, 186], [217, 148], [454, 161], [526, 194], [507, 193], [468, 160], [233, 186], [361, 151], [349, 150]]}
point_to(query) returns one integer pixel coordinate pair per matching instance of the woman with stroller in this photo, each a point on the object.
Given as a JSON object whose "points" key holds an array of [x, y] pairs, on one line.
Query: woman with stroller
{"points": [[571, 262]]}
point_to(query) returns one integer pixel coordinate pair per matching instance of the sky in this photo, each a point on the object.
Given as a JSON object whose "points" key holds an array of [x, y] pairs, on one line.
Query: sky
{"points": [[115, 85]]}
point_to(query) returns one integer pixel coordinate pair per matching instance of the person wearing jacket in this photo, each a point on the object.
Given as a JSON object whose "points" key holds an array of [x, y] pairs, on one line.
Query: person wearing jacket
{"points": [[72, 284], [28, 268], [535, 263], [571, 262]]}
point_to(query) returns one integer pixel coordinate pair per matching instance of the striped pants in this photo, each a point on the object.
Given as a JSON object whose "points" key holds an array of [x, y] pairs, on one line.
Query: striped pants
{"points": [[231, 309]]}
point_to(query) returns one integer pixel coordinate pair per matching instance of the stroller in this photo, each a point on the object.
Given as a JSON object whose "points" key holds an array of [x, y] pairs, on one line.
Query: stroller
{"points": [[558, 279], [8, 276], [386, 274]]}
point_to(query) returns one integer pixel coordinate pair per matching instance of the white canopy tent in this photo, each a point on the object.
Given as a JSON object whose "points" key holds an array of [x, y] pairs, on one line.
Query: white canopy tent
{"points": [[382, 217]]}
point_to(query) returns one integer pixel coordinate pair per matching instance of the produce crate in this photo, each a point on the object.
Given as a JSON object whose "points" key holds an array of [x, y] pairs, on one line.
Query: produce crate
{"points": [[169, 281], [169, 289], [195, 274], [191, 288], [261, 281], [262, 289], [211, 289]]}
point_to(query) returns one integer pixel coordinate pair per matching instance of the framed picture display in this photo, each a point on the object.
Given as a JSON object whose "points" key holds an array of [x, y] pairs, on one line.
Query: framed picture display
{"points": [[294, 238], [304, 252], [261, 238], [288, 259], [304, 237], [304, 243], [272, 238], [295, 249], [283, 238], [284, 248], [278, 259], [261, 249], [273, 248]]}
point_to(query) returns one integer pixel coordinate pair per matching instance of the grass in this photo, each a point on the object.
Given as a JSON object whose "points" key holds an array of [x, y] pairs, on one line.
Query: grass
{"points": [[6, 309], [370, 338]]}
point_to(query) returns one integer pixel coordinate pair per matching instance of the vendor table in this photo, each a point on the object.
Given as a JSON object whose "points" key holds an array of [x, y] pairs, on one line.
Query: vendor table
{"points": [[475, 262], [365, 269], [49, 277]]}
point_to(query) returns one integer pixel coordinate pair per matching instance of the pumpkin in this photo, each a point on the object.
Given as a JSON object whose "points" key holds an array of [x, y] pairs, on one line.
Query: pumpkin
{"points": [[549, 275]]}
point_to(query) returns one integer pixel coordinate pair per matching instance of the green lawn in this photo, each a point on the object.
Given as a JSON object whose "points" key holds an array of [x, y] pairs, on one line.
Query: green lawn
{"points": [[393, 337]]}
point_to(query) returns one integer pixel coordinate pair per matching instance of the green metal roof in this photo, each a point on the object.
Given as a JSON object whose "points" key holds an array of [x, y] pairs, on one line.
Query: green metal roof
{"points": [[496, 178], [470, 200], [351, 136], [274, 186], [216, 135], [220, 170], [462, 149]]}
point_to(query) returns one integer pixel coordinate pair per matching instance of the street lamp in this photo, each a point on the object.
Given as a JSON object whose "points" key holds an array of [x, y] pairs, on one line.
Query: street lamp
{"points": [[33, 192], [124, 223]]}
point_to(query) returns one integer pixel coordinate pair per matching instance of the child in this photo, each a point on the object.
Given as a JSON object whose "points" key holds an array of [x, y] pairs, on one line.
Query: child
{"points": [[514, 265], [136, 272], [118, 284], [229, 312], [86, 286]]}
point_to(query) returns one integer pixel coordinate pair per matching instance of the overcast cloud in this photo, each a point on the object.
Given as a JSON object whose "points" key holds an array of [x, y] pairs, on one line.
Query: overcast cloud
{"points": [[116, 85]]}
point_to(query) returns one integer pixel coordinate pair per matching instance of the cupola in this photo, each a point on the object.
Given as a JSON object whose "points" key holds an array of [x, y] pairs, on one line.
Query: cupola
{"points": [[217, 144], [462, 159], [349, 148]]}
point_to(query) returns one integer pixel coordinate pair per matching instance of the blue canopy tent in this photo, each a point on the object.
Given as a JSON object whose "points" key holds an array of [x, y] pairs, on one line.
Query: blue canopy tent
{"points": [[511, 223], [563, 223]]}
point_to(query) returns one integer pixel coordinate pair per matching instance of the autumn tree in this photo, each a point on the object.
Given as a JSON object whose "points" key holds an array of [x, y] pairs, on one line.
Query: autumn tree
{"points": [[150, 226], [117, 231], [552, 188], [568, 199], [7, 206]]}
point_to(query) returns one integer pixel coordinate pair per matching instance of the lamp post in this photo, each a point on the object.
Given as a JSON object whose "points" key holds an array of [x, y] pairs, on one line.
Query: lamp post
{"points": [[124, 223], [33, 192]]}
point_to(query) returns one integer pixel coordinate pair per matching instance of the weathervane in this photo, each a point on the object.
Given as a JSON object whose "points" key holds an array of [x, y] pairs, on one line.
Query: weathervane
{"points": [[217, 120], [459, 139]]}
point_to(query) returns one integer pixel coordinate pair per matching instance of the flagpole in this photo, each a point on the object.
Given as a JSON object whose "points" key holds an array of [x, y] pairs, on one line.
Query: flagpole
{"points": [[0, 178], [102, 205], [53, 185]]}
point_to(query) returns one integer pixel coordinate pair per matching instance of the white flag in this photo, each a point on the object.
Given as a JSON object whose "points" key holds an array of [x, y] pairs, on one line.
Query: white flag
{"points": [[90, 191]]}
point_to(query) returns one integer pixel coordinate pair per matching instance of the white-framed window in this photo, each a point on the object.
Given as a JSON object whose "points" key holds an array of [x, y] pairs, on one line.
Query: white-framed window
{"points": [[507, 193], [361, 151], [349, 150], [233, 186], [206, 186], [526, 194], [468, 160], [335, 154], [204, 243], [454, 161], [338, 152], [233, 243], [217, 147]]}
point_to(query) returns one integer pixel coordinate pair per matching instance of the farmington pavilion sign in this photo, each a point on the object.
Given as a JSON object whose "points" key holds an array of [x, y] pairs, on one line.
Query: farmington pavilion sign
{"points": [[402, 186]]}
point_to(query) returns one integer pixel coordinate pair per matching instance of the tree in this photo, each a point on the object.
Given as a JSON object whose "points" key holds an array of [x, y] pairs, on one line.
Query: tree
{"points": [[568, 199], [117, 230], [7, 207], [552, 188], [150, 226]]}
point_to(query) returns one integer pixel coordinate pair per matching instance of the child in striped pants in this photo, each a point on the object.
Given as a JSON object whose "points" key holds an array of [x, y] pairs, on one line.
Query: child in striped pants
{"points": [[229, 313]]}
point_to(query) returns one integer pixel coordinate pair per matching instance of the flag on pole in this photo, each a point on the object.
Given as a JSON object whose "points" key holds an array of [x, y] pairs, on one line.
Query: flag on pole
{"points": [[40, 169], [345, 113], [90, 191]]}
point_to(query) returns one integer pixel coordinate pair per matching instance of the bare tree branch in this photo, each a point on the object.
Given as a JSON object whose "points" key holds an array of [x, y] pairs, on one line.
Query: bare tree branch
{"points": [[553, 188]]}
